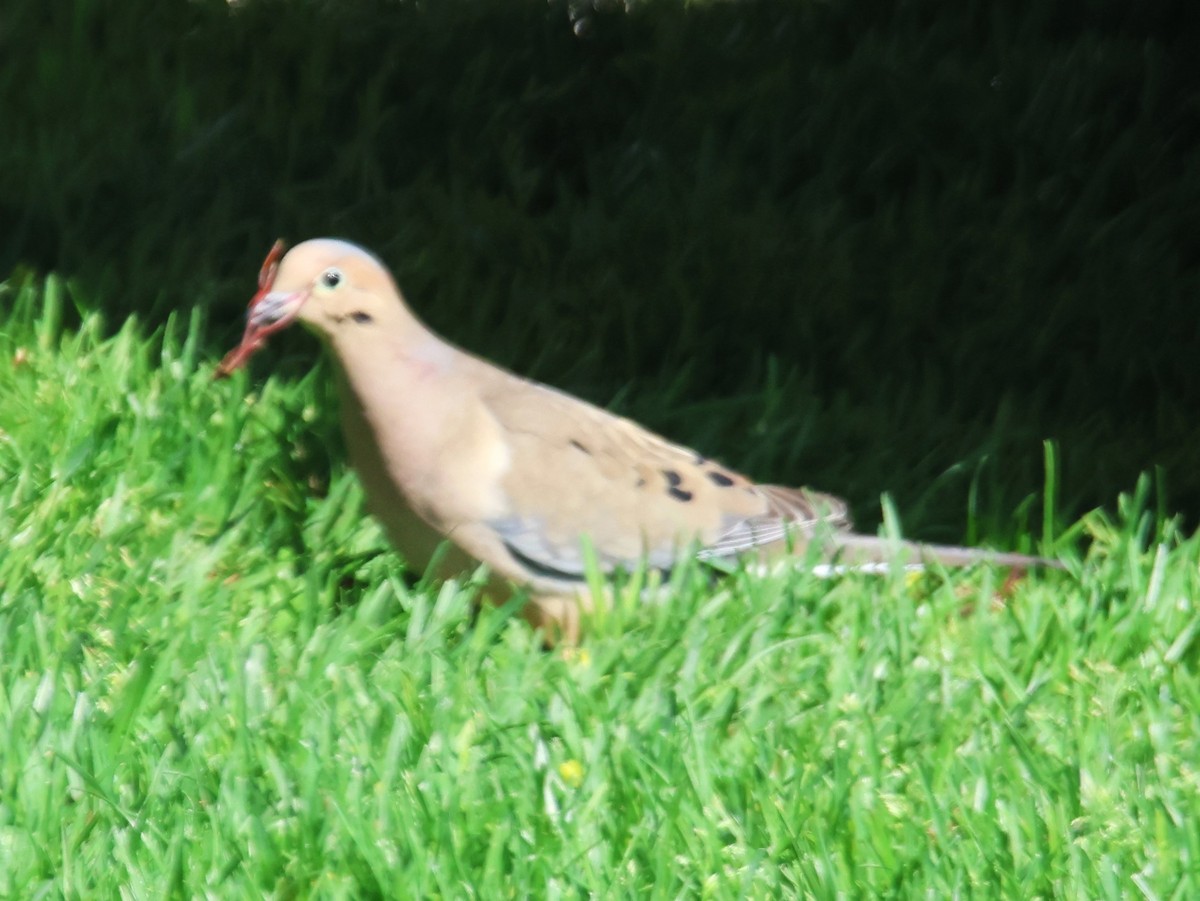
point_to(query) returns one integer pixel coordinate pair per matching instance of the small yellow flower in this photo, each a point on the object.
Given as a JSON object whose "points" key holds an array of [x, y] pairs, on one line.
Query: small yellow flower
{"points": [[581, 656], [571, 772]]}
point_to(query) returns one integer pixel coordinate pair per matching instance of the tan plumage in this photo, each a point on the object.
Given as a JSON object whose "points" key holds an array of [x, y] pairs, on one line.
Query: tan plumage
{"points": [[517, 474]]}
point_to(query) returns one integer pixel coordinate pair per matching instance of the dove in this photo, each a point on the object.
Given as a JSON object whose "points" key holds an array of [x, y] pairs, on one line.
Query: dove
{"points": [[522, 477]]}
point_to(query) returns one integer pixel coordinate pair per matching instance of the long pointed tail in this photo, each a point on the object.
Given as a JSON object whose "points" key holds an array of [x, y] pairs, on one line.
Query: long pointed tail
{"points": [[851, 552]]}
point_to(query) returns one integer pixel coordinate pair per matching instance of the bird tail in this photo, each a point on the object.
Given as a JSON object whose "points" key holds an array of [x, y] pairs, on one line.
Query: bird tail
{"points": [[867, 553]]}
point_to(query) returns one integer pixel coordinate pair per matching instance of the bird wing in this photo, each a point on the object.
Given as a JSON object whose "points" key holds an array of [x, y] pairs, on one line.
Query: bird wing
{"points": [[577, 472]]}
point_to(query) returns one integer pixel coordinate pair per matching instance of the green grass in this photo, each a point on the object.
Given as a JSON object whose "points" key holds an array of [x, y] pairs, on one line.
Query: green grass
{"points": [[214, 681], [942, 232]]}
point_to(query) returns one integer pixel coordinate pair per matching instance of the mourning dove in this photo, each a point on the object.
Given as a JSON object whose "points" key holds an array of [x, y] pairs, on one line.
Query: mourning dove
{"points": [[518, 475]]}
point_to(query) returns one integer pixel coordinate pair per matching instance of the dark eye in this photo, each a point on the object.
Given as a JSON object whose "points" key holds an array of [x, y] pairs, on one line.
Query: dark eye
{"points": [[331, 278]]}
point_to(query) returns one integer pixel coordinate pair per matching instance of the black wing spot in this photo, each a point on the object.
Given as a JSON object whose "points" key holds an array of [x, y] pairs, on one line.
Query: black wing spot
{"points": [[674, 480], [575, 444], [640, 483], [360, 317], [720, 479]]}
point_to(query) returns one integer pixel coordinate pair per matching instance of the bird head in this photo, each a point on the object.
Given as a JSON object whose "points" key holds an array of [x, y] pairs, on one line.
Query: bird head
{"points": [[331, 286]]}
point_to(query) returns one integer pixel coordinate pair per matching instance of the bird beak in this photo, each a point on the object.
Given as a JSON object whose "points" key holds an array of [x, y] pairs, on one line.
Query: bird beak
{"points": [[273, 311], [269, 312]]}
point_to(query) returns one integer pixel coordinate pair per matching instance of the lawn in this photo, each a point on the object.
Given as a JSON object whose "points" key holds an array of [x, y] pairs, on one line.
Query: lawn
{"points": [[216, 681]]}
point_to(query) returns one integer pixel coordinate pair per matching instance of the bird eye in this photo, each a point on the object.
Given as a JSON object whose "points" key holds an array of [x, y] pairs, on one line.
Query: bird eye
{"points": [[331, 278]]}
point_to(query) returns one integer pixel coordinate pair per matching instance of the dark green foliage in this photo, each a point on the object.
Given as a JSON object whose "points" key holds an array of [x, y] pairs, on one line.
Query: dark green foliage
{"points": [[938, 233]]}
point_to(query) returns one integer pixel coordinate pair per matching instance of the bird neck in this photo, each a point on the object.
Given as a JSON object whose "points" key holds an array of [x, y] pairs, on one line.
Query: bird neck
{"points": [[397, 400]]}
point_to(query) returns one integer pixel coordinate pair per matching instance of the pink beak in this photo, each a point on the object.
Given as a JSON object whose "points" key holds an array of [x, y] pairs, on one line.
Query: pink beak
{"points": [[268, 313]]}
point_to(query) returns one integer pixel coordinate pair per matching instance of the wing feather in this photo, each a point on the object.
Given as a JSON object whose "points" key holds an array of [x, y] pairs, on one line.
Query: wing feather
{"points": [[580, 472]]}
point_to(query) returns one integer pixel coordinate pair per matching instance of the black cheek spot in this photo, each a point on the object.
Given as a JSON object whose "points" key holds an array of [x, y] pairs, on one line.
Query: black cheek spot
{"points": [[575, 444], [641, 483], [679, 494], [360, 317], [720, 479]]}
